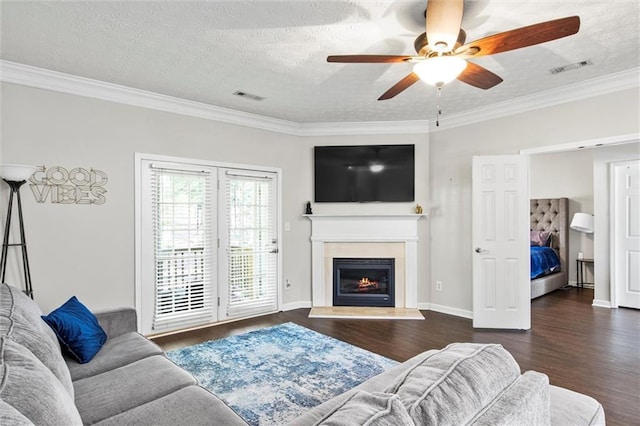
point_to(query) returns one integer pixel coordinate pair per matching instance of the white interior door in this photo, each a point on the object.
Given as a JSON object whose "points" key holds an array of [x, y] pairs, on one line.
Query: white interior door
{"points": [[500, 236], [626, 233]]}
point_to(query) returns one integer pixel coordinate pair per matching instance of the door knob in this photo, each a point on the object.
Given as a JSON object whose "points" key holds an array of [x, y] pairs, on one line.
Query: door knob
{"points": [[479, 250]]}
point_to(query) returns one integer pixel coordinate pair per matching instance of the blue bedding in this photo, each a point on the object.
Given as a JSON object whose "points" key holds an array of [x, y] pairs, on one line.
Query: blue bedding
{"points": [[544, 261]]}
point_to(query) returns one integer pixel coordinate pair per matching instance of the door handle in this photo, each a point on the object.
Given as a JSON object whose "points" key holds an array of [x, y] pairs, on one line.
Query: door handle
{"points": [[480, 251], [274, 251]]}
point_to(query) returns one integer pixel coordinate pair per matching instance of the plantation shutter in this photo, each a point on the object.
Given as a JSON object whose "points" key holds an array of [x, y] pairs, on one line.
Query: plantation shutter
{"points": [[182, 226], [252, 245]]}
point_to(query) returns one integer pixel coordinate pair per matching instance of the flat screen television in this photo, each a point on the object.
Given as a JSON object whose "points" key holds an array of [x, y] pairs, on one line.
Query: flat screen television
{"points": [[363, 173]]}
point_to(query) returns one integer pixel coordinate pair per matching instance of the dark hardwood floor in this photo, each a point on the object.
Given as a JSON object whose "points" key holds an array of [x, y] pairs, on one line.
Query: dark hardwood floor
{"points": [[587, 349]]}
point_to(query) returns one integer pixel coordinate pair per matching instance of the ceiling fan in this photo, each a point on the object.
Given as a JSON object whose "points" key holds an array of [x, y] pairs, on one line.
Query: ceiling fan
{"points": [[442, 53]]}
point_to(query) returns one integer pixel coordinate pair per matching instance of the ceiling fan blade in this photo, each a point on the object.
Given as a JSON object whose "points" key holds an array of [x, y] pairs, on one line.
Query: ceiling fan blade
{"points": [[479, 77], [444, 18], [399, 86], [522, 37], [368, 59]]}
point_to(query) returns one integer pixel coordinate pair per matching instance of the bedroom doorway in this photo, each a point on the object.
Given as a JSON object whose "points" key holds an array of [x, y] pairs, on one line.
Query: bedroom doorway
{"points": [[595, 170], [550, 178]]}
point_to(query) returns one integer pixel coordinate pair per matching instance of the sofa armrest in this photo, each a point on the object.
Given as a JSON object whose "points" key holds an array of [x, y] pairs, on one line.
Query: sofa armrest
{"points": [[525, 402], [117, 321]]}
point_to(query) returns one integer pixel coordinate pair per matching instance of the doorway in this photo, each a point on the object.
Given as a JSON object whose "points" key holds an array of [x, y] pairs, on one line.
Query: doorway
{"points": [[604, 152], [625, 233], [550, 177]]}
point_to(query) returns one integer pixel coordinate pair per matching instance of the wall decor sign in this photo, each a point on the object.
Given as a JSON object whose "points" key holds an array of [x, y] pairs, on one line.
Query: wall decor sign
{"points": [[75, 186]]}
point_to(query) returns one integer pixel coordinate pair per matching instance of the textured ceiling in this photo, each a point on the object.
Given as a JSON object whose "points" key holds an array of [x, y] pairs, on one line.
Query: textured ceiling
{"points": [[205, 51]]}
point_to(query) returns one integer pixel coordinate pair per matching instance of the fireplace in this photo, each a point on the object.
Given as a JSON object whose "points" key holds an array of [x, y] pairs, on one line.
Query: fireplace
{"points": [[363, 282]]}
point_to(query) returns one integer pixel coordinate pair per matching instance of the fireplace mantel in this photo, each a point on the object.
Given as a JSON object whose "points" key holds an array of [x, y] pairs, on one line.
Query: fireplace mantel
{"points": [[370, 229], [364, 227]]}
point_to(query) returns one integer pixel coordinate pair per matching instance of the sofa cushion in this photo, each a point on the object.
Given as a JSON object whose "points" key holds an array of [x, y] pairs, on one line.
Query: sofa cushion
{"points": [[525, 402], [20, 320], [77, 329], [191, 406], [116, 352], [365, 408], [115, 391], [453, 385], [31, 388]]}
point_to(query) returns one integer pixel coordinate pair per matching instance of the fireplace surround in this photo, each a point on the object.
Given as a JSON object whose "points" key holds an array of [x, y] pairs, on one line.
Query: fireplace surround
{"points": [[367, 236]]}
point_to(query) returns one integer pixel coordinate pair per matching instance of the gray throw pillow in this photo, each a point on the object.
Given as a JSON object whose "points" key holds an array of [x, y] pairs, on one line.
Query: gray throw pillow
{"points": [[20, 320], [451, 386], [11, 416], [372, 409], [32, 389]]}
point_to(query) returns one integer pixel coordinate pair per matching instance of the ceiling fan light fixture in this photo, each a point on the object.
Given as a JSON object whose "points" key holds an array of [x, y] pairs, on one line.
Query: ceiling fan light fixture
{"points": [[440, 70]]}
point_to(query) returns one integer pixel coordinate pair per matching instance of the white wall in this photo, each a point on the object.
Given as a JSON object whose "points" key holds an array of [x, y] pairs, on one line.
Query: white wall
{"points": [[88, 250], [550, 177], [450, 156]]}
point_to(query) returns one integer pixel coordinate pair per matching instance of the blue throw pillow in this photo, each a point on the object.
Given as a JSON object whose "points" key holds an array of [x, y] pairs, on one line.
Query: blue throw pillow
{"points": [[77, 329]]}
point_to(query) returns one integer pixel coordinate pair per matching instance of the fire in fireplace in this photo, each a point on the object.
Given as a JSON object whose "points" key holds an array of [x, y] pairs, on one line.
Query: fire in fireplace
{"points": [[363, 282]]}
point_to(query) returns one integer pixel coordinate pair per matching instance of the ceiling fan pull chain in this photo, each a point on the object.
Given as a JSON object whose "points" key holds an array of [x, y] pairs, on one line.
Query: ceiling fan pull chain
{"points": [[438, 110]]}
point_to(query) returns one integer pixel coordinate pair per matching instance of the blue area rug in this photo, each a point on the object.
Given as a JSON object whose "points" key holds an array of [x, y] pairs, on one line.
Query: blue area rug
{"points": [[272, 375]]}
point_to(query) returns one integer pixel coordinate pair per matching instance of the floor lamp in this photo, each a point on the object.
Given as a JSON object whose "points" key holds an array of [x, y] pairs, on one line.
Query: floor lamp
{"points": [[15, 175]]}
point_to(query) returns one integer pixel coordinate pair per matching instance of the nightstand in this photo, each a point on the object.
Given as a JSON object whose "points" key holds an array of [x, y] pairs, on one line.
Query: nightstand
{"points": [[580, 266]]}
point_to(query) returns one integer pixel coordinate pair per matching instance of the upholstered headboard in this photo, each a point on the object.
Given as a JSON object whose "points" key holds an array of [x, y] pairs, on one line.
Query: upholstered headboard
{"points": [[552, 215]]}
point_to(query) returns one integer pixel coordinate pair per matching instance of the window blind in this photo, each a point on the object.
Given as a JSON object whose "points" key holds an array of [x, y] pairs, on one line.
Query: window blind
{"points": [[182, 226], [252, 261]]}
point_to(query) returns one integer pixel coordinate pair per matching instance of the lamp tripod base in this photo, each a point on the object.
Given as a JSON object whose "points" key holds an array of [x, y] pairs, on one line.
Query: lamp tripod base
{"points": [[15, 190]]}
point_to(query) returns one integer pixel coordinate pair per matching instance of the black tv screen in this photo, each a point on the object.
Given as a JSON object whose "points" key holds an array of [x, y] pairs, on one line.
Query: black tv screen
{"points": [[362, 173]]}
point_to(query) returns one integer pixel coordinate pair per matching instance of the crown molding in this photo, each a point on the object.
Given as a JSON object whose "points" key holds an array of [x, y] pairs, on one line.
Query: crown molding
{"points": [[41, 78], [615, 82], [26, 75], [365, 128]]}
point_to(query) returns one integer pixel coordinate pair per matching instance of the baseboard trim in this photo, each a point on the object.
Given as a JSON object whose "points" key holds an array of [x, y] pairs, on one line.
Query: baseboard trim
{"points": [[446, 310], [295, 305], [601, 303]]}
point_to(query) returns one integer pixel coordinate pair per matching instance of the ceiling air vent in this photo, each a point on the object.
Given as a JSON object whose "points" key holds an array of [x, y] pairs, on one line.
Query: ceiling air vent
{"points": [[248, 95], [573, 66]]}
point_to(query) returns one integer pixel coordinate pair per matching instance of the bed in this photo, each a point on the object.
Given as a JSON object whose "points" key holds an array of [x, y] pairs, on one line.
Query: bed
{"points": [[551, 215]]}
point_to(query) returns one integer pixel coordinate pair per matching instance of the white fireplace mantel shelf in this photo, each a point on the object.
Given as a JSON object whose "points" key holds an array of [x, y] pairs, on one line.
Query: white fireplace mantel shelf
{"points": [[364, 216], [364, 228]]}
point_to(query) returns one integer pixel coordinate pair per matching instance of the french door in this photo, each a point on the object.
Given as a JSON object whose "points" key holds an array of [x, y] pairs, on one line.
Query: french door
{"points": [[206, 244], [249, 243]]}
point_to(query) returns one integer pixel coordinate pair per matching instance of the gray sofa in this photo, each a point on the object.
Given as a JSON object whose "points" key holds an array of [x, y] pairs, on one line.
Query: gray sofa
{"points": [[130, 382]]}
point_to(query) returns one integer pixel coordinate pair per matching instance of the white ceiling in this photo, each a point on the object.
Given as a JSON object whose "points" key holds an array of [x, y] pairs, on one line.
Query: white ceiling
{"points": [[205, 51]]}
